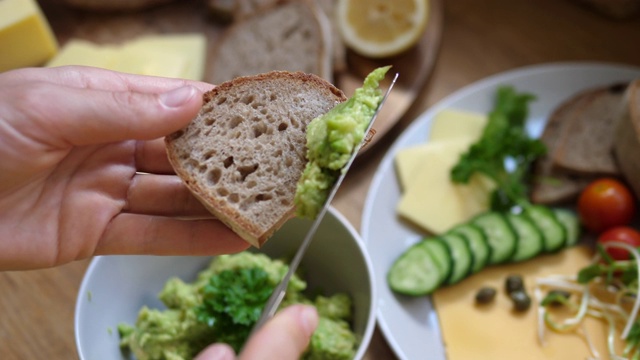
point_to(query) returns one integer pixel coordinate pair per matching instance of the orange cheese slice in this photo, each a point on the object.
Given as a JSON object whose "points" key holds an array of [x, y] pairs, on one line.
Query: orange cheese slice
{"points": [[474, 332]]}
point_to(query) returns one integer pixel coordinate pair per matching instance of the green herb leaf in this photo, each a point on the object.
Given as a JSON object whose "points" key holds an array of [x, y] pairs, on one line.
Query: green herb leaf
{"points": [[232, 303], [504, 152]]}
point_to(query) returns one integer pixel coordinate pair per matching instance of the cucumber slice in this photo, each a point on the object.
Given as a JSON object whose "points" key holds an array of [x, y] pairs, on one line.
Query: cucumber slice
{"points": [[415, 272], [461, 257], [545, 220], [441, 256], [571, 224], [499, 234], [530, 240], [477, 244]]}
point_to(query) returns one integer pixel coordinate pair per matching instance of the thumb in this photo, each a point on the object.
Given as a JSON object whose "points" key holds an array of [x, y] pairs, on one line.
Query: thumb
{"points": [[284, 337], [88, 116]]}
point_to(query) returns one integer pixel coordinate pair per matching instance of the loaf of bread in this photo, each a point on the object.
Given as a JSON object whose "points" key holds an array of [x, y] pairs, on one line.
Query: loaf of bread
{"points": [[294, 36], [627, 137], [243, 154], [585, 146]]}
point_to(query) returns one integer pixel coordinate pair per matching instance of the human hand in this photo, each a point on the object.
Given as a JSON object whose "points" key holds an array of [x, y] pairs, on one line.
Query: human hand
{"points": [[73, 141], [285, 337]]}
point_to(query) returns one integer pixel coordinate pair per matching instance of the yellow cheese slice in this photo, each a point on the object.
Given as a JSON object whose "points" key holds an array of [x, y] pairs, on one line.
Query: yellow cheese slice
{"points": [[81, 52], [136, 60], [493, 332], [451, 123], [191, 47], [26, 38], [174, 55], [431, 200], [409, 161]]}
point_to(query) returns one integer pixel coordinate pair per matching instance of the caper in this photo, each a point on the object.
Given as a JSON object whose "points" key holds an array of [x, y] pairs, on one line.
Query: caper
{"points": [[514, 283], [521, 301], [485, 295]]}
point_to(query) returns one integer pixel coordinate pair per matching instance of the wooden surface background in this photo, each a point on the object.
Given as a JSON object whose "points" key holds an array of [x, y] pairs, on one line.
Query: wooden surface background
{"points": [[479, 38]]}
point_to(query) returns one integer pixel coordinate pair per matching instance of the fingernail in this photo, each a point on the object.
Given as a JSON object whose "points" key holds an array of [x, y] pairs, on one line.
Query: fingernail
{"points": [[309, 319], [177, 97]]}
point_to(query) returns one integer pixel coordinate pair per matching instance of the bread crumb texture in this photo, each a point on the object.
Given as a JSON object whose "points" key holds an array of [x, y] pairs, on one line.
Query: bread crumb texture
{"points": [[244, 153]]}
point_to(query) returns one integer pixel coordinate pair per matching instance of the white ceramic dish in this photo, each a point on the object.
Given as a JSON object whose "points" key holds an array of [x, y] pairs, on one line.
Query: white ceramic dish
{"points": [[411, 324], [114, 288]]}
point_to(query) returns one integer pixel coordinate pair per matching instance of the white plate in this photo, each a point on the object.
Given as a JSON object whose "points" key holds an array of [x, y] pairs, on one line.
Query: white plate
{"points": [[410, 324]]}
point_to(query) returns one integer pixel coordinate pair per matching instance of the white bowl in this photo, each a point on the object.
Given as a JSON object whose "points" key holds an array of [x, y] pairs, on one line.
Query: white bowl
{"points": [[114, 288]]}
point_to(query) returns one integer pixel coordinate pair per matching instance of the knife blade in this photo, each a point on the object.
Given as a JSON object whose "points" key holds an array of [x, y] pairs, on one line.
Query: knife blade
{"points": [[278, 293]]}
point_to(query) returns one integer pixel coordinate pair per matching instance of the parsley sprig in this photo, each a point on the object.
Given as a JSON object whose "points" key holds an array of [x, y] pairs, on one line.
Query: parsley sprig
{"points": [[504, 152], [232, 302]]}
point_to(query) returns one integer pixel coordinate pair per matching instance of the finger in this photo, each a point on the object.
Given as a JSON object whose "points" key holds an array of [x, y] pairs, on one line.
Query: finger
{"points": [[164, 195], [217, 352], [85, 77], [86, 117], [134, 234], [284, 337], [151, 157]]}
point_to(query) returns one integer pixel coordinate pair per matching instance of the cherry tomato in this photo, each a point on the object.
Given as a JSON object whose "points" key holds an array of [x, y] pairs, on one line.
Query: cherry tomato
{"points": [[606, 203], [622, 234]]}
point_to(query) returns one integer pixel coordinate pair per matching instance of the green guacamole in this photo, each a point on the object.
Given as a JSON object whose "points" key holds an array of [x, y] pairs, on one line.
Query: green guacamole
{"points": [[176, 333], [331, 140]]}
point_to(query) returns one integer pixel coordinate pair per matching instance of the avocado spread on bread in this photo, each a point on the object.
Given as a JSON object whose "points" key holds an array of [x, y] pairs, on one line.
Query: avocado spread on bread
{"points": [[331, 140]]}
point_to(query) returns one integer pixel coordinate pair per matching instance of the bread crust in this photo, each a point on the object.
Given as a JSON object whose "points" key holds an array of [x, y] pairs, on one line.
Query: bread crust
{"points": [[253, 230]]}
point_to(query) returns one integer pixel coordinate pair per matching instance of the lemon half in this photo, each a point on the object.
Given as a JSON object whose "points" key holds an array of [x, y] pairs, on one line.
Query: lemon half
{"points": [[381, 28]]}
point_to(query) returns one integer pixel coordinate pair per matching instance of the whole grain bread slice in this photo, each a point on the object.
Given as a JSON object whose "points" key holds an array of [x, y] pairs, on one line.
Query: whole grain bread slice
{"points": [[586, 144], [243, 154], [627, 137], [552, 184], [294, 36]]}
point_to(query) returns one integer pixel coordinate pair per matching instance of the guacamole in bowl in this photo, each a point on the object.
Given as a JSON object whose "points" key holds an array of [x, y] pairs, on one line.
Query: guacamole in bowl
{"points": [[335, 275], [223, 304]]}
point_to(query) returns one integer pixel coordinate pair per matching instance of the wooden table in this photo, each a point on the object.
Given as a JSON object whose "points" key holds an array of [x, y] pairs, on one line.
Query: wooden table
{"points": [[480, 38]]}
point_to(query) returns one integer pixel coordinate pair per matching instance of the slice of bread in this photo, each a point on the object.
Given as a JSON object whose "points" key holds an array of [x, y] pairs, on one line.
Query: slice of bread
{"points": [[295, 36], [550, 184], [243, 154], [586, 144], [627, 137]]}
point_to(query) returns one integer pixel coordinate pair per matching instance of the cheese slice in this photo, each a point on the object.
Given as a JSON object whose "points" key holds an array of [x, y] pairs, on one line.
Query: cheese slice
{"points": [[493, 332], [26, 38], [431, 200], [192, 49], [174, 55], [81, 52], [451, 123], [409, 161]]}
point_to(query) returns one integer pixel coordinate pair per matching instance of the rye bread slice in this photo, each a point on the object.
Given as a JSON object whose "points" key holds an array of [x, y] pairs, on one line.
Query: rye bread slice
{"points": [[551, 184], [627, 137], [294, 36], [243, 154], [586, 144]]}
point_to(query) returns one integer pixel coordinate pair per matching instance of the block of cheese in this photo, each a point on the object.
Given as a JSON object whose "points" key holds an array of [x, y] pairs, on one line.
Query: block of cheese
{"points": [[26, 38], [174, 55], [430, 199], [496, 332]]}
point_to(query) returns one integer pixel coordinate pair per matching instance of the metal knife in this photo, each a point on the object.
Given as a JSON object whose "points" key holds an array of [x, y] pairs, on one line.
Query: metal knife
{"points": [[278, 293]]}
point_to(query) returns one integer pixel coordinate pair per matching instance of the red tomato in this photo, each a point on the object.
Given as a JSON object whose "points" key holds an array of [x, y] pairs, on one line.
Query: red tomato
{"points": [[622, 234], [606, 203]]}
